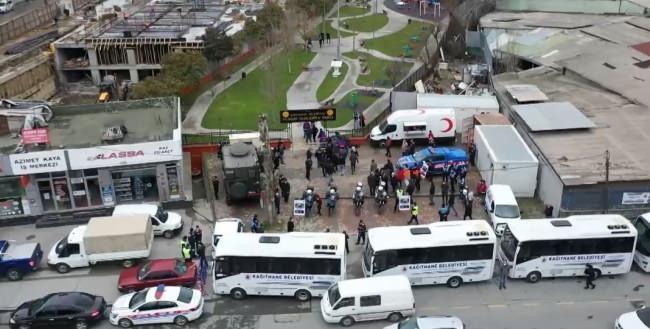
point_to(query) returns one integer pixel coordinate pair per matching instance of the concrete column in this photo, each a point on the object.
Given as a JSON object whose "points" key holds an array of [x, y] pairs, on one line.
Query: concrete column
{"points": [[93, 63], [134, 75]]}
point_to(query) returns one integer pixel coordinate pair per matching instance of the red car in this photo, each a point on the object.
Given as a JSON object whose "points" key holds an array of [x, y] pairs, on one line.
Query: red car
{"points": [[170, 272]]}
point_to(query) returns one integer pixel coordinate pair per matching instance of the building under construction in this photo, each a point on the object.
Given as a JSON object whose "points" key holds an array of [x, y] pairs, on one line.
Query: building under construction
{"points": [[131, 42]]}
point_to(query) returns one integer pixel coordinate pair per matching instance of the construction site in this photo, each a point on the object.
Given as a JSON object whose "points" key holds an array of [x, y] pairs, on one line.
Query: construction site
{"points": [[129, 44], [25, 68]]}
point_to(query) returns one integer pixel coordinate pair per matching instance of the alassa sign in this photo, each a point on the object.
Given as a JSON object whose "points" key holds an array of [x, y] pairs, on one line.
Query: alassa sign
{"points": [[125, 154]]}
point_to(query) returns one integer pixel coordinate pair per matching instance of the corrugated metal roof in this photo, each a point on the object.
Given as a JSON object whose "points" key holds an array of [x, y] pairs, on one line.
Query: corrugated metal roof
{"points": [[621, 33], [526, 93], [643, 47], [506, 143], [457, 101], [552, 116]]}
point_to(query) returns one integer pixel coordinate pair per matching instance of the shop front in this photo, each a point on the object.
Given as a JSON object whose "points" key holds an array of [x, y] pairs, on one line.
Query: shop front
{"points": [[68, 181]]}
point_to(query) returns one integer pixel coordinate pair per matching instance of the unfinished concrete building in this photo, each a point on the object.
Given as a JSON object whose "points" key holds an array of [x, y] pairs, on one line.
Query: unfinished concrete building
{"points": [[132, 46]]}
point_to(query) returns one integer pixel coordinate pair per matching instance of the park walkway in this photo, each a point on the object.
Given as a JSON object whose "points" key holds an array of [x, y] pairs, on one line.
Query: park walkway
{"points": [[302, 93]]}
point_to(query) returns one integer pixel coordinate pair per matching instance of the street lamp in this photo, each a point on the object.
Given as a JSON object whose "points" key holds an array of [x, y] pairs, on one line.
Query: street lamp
{"points": [[338, 31]]}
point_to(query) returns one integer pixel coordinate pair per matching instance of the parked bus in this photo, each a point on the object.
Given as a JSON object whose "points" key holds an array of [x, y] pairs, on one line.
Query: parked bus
{"points": [[298, 264], [642, 253], [438, 253], [537, 248]]}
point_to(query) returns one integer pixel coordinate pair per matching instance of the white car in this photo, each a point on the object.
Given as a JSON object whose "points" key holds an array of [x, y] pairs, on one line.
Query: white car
{"points": [[165, 223], [162, 304], [639, 319], [225, 226], [429, 322]]}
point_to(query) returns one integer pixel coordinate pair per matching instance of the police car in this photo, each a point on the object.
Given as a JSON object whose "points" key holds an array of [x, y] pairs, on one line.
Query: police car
{"points": [[161, 304]]}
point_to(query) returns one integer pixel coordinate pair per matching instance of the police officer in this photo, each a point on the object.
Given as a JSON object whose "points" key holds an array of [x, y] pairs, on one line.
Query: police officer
{"points": [[414, 214], [187, 253]]}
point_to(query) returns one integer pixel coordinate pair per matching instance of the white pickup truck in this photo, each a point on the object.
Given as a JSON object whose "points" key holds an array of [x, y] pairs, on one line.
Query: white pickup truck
{"points": [[118, 238]]}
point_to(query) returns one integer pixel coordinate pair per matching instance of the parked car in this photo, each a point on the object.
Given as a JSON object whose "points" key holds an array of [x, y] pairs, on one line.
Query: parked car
{"points": [[435, 158], [225, 226], [429, 322], [59, 310], [172, 272], [639, 319], [17, 259], [6, 6], [162, 304], [165, 223]]}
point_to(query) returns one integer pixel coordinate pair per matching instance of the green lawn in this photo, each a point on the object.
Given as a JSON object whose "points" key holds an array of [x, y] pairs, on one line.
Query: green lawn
{"points": [[377, 69], [366, 24], [327, 28], [349, 11], [392, 44], [188, 100], [239, 106], [330, 84], [344, 109]]}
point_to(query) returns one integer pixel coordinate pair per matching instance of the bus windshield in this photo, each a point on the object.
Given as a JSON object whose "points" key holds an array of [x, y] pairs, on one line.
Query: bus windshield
{"points": [[333, 294], [509, 245], [507, 211], [643, 240]]}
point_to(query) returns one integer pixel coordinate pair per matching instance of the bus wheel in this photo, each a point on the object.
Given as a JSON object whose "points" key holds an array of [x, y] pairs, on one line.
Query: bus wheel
{"points": [[303, 295], [394, 317], [534, 277], [597, 273], [238, 294], [347, 321], [454, 282]]}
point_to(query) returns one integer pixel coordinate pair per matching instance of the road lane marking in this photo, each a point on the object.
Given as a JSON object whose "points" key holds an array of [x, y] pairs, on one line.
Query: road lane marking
{"points": [[565, 303], [497, 306], [531, 304], [598, 302], [460, 307]]}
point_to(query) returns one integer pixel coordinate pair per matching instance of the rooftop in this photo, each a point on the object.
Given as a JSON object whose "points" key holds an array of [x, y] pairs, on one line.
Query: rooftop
{"points": [[578, 156], [552, 116], [505, 144], [83, 125]]}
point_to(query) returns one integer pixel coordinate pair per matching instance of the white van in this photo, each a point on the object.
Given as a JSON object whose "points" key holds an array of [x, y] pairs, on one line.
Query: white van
{"points": [[376, 298], [501, 206], [165, 223], [415, 124], [225, 226], [6, 6]]}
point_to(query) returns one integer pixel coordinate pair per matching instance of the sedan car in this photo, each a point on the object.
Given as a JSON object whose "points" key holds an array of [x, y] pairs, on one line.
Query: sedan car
{"points": [[162, 304], [639, 319], [435, 158], [59, 310], [429, 322], [172, 272]]}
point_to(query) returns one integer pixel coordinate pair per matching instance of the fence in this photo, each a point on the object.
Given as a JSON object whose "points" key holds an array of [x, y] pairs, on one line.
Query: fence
{"points": [[221, 136]]}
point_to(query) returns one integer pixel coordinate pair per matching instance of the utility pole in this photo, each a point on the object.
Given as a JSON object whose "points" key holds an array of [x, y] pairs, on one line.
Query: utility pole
{"points": [[606, 194], [268, 175], [338, 31], [376, 7], [322, 23]]}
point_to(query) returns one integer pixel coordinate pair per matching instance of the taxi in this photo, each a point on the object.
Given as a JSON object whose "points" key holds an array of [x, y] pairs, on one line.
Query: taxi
{"points": [[161, 304]]}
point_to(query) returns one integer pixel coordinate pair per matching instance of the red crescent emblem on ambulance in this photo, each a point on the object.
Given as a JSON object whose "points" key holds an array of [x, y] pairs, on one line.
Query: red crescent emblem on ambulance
{"points": [[450, 124]]}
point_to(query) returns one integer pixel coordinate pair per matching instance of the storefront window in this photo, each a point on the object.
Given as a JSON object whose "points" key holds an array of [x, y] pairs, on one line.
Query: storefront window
{"points": [[47, 197], [172, 179], [10, 197], [62, 193], [135, 185], [85, 189]]}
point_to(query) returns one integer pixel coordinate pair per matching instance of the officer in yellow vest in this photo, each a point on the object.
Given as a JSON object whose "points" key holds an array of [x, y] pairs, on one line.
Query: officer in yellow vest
{"points": [[398, 193], [184, 243], [414, 214], [187, 253]]}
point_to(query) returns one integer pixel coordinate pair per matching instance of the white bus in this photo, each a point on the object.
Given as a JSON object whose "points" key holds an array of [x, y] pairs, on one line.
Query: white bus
{"points": [[438, 253], [298, 264], [642, 253], [537, 248]]}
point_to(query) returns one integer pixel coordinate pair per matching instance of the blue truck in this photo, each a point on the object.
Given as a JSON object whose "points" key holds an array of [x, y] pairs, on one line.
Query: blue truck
{"points": [[18, 259]]}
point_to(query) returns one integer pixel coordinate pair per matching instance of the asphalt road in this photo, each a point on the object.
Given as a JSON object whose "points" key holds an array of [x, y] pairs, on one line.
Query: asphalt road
{"points": [[20, 8]]}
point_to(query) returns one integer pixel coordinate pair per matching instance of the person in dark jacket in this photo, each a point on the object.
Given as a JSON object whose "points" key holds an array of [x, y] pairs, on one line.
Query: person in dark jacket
{"points": [[308, 165], [590, 272], [290, 224], [468, 208], [444, 188], [361, 231], [450, 203], [372, 183], [347, 247], [276, 200], [432, 192], [285, 187]]}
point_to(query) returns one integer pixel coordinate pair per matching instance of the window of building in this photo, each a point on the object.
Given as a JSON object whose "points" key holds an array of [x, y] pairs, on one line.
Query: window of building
{"points": [[10, 197], [135, 185]]}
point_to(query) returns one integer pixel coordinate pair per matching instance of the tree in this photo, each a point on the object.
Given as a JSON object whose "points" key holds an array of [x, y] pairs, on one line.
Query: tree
{"points": [[183, 68], [217, 46], [178, 70], [311, 8], [270, 17], [394, 72], [253, 30]]}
